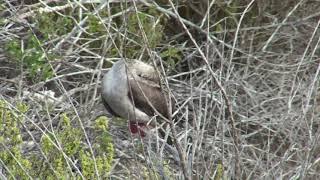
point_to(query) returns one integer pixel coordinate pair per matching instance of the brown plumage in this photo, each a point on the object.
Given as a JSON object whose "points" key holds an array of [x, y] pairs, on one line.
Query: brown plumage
{"points": [[152, 93], [123, 97]]}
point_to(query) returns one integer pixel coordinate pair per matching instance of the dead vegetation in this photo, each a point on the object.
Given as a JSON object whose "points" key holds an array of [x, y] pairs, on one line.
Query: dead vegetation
{"points": [[244, 75]]}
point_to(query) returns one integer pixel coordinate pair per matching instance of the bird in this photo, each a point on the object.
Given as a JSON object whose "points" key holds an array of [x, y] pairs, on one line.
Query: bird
{"points": [[130, 89]]}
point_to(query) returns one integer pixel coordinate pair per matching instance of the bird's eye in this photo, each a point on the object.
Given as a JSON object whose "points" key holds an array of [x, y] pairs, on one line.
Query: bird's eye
{"points": [[140, 75]]}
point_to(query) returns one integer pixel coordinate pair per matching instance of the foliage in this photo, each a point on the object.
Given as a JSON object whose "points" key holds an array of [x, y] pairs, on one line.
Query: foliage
{"points": [[32, 57], [259, 83], [95, 26], [144, 30], [140, 24], [219, 175], [60, 148], [53, 25], [95, 29], [2, 8], [10, 141], [172, 56], [70, 140], [105, 151], [32, 53]]}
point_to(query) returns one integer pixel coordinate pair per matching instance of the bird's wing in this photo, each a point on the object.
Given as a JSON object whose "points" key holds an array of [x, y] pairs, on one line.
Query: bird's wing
{"points": [[109, 109], [153, 94]]}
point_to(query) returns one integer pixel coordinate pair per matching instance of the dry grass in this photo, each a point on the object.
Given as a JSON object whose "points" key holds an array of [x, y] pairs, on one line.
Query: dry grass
{"points": [[245, 78]]}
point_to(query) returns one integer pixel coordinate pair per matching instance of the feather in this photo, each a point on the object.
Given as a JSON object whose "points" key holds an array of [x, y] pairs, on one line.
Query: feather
{"points": [[128, 91], [148, 94]]}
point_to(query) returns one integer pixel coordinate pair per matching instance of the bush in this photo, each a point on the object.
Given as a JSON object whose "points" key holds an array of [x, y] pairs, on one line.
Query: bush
{"points": [[62, 149]]}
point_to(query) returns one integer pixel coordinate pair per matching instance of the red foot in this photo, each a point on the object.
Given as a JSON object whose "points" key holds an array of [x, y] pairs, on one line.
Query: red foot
{"points": [[137, 128]]}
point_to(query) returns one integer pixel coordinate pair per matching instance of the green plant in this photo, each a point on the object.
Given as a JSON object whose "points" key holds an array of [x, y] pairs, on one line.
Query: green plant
{"points": [[34, 54], [146, 23], [71, 140], [53, 25], [96, 32], [15, 163], [95, 26], [172, 56], [56, 146], [32, 57], [105, 151], [149, 27], [219, 175]]}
